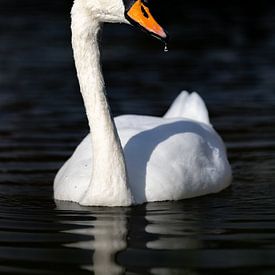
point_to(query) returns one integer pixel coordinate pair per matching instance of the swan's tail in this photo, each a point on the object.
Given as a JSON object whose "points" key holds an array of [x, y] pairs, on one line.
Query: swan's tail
{"points": [[189, 106]]}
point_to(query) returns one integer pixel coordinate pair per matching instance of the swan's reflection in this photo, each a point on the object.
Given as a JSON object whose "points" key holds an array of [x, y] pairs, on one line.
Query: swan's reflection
{"points": [[107, 228], [174, 227], [176, 230], [153, 230]]}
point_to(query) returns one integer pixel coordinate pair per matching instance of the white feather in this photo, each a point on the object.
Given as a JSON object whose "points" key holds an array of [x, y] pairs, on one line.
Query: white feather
{"points": [[137, 159]]}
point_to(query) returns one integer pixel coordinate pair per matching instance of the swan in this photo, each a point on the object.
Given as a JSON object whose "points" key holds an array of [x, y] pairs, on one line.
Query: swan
{"points": [[135, 159]]}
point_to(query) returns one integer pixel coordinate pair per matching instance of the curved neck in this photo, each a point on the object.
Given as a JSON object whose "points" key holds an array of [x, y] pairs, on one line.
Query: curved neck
{"points": [[108, 186]]}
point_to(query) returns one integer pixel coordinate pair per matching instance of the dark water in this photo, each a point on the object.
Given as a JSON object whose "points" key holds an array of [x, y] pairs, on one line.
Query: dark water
{"points": [[226, 53]]}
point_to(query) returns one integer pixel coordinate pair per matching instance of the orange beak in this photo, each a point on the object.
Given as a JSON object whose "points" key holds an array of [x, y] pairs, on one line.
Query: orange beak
{"points": [[139, 14]]}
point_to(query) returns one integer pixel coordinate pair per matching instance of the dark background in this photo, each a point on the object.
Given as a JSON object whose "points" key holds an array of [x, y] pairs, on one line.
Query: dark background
{"points": [[223, 50]]}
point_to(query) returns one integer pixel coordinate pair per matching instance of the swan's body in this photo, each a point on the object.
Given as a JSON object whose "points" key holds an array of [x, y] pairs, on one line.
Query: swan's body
{"points": [[169, 158], [165, 158]]}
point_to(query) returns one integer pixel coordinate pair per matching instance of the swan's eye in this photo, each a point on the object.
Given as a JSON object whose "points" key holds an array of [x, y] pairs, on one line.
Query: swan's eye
{"points": [[144, 12]]}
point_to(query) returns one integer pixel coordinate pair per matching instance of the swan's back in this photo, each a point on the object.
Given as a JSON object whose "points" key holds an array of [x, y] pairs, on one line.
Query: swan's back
{"points": [[172, 158]]}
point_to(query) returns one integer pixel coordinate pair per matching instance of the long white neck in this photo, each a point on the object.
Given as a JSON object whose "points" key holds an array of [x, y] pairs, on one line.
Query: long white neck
{"points": [[108, 186]]}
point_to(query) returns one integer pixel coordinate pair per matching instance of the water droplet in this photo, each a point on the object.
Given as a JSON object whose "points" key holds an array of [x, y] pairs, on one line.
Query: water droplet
{"points": [[166, 48]]}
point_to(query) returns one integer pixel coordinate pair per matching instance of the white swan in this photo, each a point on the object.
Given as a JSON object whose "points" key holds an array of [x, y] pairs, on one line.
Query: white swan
{"points": [[165, 158]]}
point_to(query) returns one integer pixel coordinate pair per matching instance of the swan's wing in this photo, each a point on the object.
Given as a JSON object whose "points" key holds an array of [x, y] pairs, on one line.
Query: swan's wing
{"points": [[189, 106], [167, 159], [172, 158]]}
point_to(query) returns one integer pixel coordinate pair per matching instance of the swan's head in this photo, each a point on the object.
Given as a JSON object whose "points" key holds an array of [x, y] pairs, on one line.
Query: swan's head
{"points": [[135, 12]]}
